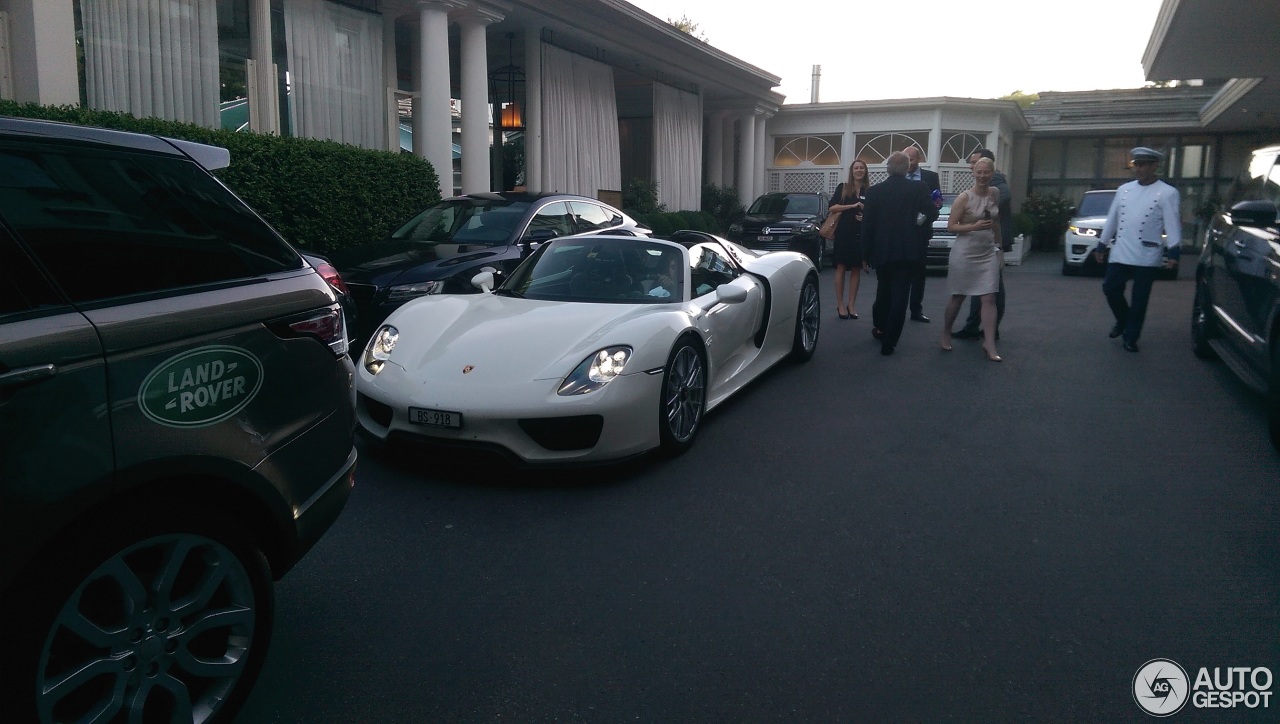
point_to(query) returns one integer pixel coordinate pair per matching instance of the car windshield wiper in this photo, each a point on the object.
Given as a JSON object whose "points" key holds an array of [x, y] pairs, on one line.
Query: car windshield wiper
{"points": [[504, 292]]}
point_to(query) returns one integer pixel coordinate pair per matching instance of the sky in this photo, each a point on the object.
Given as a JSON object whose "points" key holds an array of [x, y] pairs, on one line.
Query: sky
{"points": [[872, 50]]}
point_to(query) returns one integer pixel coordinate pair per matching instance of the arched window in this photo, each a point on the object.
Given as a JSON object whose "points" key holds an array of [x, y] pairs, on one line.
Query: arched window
{"points": [[806, 151], [874, 149], [957, 145]]}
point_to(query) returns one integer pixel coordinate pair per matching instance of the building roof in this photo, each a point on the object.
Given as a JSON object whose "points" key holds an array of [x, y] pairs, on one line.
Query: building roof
{"points": [[1147, 109]]}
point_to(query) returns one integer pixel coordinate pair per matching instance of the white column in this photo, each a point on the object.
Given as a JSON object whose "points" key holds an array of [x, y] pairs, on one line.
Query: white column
{"points": [[764, 156], [715, 148], [390, 82], [474, 58], [935, 142], [533, 108], [746, 158], [416, 104], [264, 107], [42, 48], [436, 125], [727, 169]]}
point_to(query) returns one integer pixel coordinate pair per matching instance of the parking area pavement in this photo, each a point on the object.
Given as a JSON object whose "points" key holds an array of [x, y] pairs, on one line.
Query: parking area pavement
{"points": [[922, 537]]}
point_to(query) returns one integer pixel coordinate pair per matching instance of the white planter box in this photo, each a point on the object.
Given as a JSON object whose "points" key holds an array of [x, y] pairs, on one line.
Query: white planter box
{"points": [[1019, 252]]}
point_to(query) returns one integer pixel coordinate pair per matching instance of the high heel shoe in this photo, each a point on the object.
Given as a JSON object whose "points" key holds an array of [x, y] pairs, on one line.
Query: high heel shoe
{"points": [[992, 357], [853, 315], [946, 346], [841, 313]]}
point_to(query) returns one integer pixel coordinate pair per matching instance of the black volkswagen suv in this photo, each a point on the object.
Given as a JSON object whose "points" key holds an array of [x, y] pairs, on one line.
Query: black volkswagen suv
{"points": [[177, 412], [1236, 313], [785, 222]]}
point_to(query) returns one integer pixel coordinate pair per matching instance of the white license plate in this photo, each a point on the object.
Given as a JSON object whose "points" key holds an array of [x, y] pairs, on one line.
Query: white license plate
{"points": [[939, 244], [435, 418], [764, 238]]}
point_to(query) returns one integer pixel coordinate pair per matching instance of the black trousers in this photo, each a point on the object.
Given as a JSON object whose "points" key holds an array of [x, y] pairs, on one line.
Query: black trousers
{"points": [[1129, 314], [917, 292], [893, 290], [974, 322]]}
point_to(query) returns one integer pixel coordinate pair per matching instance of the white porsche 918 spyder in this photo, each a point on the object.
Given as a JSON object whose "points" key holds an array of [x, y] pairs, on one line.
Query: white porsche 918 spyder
{"points": [[595, 348]]}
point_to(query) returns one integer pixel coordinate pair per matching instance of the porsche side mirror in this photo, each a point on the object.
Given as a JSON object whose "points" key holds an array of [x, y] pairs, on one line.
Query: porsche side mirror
{"points": [[483, 281], [1253, 213], [730, 294]]}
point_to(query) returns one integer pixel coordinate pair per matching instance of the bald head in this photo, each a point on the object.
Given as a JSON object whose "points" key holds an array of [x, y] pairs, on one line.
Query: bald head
{"points": [[914, 156]]}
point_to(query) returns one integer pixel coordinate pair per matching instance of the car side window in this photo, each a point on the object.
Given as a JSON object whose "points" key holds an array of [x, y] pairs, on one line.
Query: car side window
{"points": [[708, 269], [1271, 189], [22, 287], [554, 216], [592, 217], [113, 222]]}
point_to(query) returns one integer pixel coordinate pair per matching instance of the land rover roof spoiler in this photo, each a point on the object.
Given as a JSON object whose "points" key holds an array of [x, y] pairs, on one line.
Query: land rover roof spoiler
{"points": [[210, 157]]}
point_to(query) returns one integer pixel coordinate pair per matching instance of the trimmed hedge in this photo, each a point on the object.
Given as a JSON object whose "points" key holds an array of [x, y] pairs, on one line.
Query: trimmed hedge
{"points": [[665, 222], [321, 195]]}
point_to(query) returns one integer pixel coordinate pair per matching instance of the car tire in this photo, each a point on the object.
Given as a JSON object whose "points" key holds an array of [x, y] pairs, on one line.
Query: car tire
{"points": [[1273, 391], [1203, 327], [808, 321], [683, 399], [173, 617]]}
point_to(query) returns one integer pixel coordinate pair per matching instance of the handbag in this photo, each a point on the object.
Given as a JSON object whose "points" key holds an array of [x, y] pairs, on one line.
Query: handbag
{"points": [[828, 229]]}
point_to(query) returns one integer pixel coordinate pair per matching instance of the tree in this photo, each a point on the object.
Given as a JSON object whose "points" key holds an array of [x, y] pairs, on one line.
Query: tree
{"points": [[688, 27], [1024, 100]]}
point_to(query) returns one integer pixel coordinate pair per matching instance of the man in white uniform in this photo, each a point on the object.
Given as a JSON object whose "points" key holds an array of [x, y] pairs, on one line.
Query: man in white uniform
{"points": [[1146, 229]]}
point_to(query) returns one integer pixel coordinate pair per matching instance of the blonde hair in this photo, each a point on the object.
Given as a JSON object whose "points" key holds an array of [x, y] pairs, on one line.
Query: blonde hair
{"points": [[985, 160]]}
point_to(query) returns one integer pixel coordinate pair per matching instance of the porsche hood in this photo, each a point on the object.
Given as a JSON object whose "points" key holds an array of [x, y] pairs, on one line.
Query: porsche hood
{"points": [[498, 340]]}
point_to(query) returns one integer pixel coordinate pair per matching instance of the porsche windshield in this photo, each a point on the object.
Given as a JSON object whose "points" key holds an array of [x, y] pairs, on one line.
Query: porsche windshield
{"points": [[471, 221], [596, 269]]}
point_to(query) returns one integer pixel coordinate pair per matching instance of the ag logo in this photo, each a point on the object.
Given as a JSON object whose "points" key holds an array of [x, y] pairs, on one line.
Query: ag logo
{"points": [[1160, 687], [200, 387]]}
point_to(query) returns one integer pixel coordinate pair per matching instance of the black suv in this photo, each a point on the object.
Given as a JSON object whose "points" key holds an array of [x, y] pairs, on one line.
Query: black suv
{"points": [[785, 222], [1236, 313], [176, 426]]}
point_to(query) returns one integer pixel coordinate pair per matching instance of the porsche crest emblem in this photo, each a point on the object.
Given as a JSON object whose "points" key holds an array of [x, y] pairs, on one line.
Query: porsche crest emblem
{"points": [[467, 370]]}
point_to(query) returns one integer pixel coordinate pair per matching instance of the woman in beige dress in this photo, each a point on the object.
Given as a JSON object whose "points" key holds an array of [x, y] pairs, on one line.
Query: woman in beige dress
{"points": [[974, 265]]}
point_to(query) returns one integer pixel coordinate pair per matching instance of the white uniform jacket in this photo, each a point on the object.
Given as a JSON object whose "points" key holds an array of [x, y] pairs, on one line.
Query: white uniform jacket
{"points": [[1142, 223]]}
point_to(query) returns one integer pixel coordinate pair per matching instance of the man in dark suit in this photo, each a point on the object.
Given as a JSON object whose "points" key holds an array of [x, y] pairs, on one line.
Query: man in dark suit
{"points": [[891, 219], [931, 180]]}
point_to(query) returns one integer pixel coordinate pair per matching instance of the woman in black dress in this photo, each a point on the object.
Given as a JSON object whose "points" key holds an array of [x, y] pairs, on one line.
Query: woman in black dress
{"points": [[848, 247]]}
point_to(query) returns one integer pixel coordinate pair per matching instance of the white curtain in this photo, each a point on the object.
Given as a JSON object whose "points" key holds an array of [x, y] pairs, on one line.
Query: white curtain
{"points": [[152, 59], [335, 72], [579, 125], [677, 147]]}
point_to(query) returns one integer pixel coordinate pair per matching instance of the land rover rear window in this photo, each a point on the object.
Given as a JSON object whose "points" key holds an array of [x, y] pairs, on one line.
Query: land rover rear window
{"points": [[112, 222]]}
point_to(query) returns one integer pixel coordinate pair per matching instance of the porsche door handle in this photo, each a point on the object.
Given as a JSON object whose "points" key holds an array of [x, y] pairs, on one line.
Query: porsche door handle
{"points": [[26, 375]]}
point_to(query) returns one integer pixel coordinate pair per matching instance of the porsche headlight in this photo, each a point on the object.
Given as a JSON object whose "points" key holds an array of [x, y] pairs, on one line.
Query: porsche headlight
{"points": [[735, 228], [380, 347], [405, 292], [1083, 231], [806, 228], [596, 371]]}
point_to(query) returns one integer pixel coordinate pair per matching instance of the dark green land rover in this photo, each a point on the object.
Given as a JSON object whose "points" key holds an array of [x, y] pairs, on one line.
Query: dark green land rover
{"points": [[176, 426]]}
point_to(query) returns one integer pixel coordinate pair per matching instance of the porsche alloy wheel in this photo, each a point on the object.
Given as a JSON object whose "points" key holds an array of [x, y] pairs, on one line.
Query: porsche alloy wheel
{"points": [[170, 627], [684, 396], [808, 320]]}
